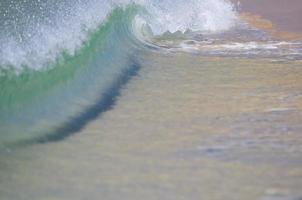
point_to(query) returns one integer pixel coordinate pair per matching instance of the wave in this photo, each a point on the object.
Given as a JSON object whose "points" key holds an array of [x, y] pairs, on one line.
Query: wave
{"points": [[36, 104], [64, 62]]}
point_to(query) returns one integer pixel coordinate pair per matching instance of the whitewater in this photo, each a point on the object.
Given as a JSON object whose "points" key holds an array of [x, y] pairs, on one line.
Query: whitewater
{"points": [[35, 33]]}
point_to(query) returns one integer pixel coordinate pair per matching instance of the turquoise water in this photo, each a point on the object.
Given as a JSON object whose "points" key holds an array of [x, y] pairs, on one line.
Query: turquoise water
{"points": [[48, 101]]}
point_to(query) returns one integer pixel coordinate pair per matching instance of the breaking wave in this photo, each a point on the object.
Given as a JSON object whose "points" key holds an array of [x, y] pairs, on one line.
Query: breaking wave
{"points": [[64, 62]]}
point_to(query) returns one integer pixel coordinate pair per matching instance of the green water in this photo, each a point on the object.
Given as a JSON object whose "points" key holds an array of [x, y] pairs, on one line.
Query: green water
{"points": [[41, 101]]}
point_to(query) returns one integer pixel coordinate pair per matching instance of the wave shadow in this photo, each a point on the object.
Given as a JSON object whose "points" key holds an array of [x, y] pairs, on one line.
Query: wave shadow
{"points": [[106, 102]]}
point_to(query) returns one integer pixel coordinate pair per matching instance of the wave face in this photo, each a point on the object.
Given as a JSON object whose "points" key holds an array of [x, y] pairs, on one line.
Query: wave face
{"points": [[38, 103]]}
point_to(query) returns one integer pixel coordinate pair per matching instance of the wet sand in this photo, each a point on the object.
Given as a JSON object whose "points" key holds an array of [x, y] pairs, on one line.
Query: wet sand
{"points": [[186, 127], [283, 15]]}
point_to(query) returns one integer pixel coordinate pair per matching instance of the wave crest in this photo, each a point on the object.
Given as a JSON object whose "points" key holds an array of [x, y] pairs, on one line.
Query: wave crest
{"points": [[35, 33]]}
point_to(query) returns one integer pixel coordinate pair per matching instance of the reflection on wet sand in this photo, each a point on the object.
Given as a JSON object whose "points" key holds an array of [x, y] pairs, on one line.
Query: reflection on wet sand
{"points": [[186, 127], [285, 15], [264, 24]]}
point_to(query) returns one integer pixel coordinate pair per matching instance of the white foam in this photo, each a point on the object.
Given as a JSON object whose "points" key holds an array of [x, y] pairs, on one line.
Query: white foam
{"points": [[269, 49], [41, 42], [196, 15]]}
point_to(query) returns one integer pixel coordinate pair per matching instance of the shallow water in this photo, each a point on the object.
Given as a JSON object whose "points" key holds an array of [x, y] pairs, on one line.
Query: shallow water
{"points": [[186, 127]]}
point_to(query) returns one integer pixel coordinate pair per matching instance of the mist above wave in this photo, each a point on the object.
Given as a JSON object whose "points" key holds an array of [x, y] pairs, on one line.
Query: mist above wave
{"points": [[34, 33]]}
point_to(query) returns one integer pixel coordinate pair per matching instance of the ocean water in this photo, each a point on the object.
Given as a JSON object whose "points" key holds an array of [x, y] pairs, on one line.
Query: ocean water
{"points": [[146, 99]]}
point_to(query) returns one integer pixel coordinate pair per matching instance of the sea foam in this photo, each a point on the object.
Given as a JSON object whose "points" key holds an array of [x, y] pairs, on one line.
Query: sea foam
{"points": [[35, 33]]}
